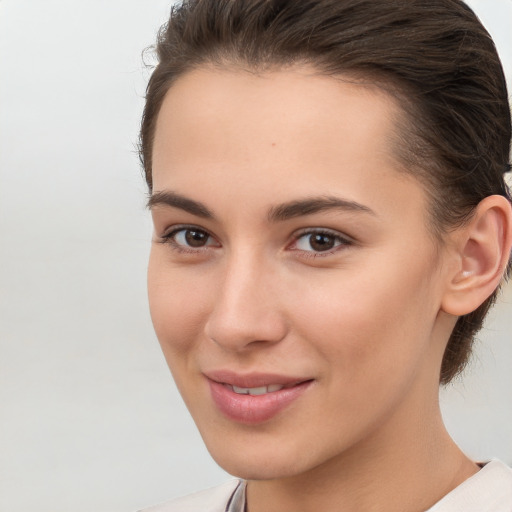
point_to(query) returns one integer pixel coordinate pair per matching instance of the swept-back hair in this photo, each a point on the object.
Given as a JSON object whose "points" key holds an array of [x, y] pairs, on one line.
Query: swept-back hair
{"points": [[433, 56]]}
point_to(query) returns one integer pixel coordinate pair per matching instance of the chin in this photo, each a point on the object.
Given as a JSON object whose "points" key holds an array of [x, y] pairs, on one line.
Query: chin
{"points": [[262, 461], [259, 469]]}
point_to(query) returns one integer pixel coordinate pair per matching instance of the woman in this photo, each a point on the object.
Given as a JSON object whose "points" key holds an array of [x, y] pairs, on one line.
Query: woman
{"points": [[331, 226]]}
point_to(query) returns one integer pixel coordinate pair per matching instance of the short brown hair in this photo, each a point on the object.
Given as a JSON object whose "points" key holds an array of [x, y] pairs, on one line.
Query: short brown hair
{"points": [[433, 55]]}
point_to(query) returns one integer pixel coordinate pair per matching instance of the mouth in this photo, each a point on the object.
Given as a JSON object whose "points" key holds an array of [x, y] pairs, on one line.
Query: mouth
{"points": [[258, 391], [255, 398]]}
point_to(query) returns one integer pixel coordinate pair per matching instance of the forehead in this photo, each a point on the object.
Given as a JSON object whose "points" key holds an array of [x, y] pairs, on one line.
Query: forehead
{"points": [[274, 107], [284, 133]]}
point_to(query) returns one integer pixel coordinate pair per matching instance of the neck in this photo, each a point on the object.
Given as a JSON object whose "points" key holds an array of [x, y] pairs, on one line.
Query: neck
{"points": [[394, 469]]}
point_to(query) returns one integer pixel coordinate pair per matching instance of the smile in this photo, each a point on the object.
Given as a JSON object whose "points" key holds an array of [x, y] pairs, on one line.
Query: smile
{"points": [[262, 390], [256, 398]]}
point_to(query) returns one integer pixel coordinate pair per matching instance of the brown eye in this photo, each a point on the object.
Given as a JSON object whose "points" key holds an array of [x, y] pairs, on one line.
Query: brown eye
{"points": [[196, 238], [190, 238], [321, 242]]}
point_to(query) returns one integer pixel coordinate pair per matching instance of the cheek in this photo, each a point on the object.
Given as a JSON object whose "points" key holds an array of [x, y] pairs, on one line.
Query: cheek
{"points": [[178, 304], [371, 323]]}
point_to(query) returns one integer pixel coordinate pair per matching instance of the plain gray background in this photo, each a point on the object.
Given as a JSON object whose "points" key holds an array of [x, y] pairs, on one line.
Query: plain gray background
{"points": [[89, 417]]}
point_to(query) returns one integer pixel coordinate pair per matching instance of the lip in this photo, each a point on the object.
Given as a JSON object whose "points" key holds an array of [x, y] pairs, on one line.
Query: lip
{"points": [[250, 409]]}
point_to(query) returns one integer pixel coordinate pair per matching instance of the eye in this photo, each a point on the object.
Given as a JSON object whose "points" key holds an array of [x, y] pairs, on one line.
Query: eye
{"points": [[189, 237], [192, 237], [319, 241]]}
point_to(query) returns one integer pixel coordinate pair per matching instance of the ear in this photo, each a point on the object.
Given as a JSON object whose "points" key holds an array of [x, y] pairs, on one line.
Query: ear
{"points": [[482, 254]]}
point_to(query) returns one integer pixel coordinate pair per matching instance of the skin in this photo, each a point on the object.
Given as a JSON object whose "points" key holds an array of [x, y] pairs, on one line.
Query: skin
{"points": [[367, 321]]}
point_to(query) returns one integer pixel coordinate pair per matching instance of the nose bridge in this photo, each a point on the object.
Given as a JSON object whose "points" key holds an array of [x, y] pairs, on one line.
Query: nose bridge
{"points": [[246, 310]]}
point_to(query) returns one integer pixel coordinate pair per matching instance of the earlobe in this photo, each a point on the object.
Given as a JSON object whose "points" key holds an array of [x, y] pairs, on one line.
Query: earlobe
{"points": [[483, 251]]}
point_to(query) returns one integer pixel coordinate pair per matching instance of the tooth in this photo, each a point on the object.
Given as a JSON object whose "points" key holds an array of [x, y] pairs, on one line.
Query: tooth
{"points": [[258, 391], [241, 391]]}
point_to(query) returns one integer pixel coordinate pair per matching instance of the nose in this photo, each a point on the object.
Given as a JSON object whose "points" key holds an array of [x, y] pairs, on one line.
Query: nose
{"points": [[246, 312]]}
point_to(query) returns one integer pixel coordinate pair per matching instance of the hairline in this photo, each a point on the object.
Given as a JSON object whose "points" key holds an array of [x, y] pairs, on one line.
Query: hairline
{"points": [[400, 92]]}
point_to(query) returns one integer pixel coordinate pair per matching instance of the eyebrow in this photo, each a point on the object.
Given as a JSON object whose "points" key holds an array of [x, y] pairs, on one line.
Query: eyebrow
{"points": [[178, 201], [281, 212], [308, 206]]}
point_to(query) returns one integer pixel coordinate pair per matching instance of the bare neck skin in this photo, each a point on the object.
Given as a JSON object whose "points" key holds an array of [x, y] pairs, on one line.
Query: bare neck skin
{"points": [[406, 463], [396, 470], [357, 333]]}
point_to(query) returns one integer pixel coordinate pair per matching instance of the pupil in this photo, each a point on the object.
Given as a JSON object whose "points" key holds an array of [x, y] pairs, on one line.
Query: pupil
{"points": [[321, 242], [196, 238]]}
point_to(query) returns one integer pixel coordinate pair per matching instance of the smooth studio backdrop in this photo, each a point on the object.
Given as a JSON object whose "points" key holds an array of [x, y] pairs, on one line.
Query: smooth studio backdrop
{"points": [[89, 416]]}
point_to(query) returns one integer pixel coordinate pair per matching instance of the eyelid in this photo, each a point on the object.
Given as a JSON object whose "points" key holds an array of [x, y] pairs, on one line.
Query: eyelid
{"points": [[171, 230], [168, 237], [322, 230], [345, 241]]}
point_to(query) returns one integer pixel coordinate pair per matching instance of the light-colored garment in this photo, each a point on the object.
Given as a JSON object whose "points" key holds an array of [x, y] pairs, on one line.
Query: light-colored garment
{"points": [[489, 490], [228, 497]]}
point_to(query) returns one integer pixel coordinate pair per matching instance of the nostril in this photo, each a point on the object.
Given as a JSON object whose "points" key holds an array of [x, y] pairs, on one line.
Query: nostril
{"points": [[241, 318], [239, 343]]}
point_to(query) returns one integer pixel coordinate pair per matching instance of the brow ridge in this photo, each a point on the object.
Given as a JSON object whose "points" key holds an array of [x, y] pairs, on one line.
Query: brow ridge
{"points": [[309, 206], [175, 200], [280, 212]]}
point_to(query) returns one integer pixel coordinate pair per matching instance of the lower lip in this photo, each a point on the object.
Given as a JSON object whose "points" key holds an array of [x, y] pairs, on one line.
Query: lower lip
{"points": [[252, 409]]}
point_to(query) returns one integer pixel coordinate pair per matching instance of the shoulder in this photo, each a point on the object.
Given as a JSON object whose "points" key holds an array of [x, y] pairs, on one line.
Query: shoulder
{"points": [[216, 499], [489, 490]]}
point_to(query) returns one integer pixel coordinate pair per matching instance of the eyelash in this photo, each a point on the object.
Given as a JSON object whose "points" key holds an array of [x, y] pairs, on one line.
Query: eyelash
{"points": [[341, 242], [170, 239]]}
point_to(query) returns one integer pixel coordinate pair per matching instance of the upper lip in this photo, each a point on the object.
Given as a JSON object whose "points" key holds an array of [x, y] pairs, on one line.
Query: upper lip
{"points": [[252, 380]]}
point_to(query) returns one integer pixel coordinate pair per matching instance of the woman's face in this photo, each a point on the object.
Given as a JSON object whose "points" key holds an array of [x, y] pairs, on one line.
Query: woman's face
{"points": [[294, 286]]}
